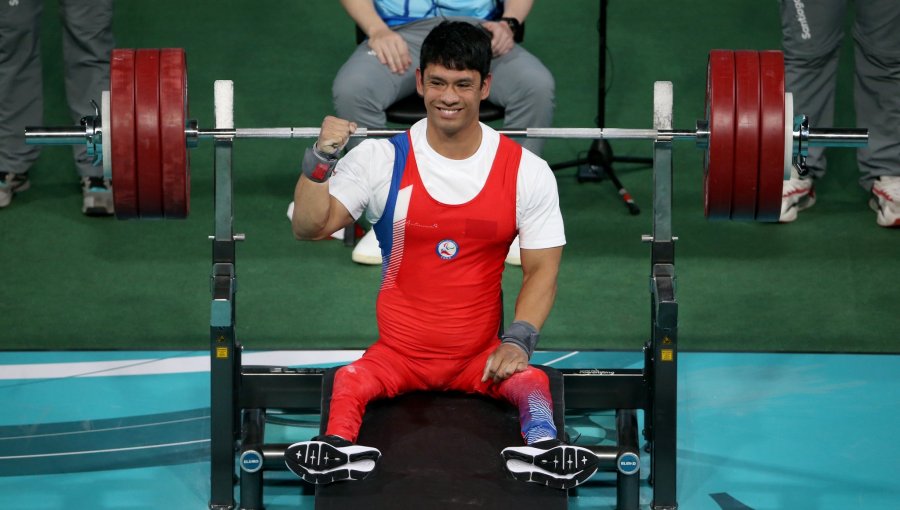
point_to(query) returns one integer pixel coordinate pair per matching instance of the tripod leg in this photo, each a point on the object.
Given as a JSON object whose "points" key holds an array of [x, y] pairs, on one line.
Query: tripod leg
{"points": [[633, 209], [599, 163]]}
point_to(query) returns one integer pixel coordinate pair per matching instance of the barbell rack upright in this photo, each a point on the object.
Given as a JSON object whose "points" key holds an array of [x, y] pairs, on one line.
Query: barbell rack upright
{"points": [[660, 354], [225, 351]]}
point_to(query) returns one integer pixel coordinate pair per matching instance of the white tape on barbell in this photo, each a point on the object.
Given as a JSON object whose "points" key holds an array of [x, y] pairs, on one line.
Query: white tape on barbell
{"points": [[788, 134], [224, 101], [106, 134], [662, 105]]}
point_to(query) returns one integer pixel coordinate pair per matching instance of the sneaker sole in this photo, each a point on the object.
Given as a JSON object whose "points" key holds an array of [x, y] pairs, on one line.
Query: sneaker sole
{"points": [[353, 471], [526, 472], [562, 460], [319, 462]]}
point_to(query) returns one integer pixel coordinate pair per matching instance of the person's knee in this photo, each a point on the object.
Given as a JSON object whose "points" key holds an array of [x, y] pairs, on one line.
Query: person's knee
{"points": [[528, 93], [885, 60], [354, 380], [345, 94], [543, 83], [355, 91], [538, 88], [811, 58], [531, 377]]}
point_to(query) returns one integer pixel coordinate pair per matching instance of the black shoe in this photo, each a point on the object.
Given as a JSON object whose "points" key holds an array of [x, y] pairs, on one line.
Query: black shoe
{"points": [[326, 459], [551, 463]]}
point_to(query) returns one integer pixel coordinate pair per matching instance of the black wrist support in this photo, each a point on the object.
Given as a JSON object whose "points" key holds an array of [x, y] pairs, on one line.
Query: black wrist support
{"points": [[523, 335]]}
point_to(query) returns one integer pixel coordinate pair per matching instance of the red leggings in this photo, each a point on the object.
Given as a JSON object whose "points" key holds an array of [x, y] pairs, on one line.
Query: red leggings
{"points": [[384, 373]]}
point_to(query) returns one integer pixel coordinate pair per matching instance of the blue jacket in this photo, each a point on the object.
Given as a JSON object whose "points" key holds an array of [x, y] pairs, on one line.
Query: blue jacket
{"points": [[399, 12]]}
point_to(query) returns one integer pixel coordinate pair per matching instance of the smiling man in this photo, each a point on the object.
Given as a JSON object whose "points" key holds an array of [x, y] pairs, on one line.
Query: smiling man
{"points": [[446, 200]]}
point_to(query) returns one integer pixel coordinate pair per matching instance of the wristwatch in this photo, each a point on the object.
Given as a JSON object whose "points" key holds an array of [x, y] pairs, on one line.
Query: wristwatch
{"points": [[513, 23]]}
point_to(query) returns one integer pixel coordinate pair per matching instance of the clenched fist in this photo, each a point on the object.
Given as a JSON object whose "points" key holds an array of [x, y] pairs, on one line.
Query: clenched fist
{"points": [[334, 135]]}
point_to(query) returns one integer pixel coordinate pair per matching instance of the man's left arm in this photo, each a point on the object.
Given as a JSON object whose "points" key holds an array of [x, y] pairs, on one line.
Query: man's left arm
{"points": [[518, 9], [539, 273]]}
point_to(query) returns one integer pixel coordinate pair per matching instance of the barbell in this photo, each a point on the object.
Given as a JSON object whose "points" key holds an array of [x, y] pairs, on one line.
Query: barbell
{"points": [[751, 137]]}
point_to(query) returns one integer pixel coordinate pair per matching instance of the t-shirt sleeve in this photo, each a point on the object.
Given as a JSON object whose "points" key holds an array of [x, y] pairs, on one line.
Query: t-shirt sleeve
{"points": [[351, 183], [539, 218]]}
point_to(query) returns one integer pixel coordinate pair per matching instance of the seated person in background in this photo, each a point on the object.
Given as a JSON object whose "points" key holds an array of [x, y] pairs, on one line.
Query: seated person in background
{"points": [[446, 200], [380, 70]]}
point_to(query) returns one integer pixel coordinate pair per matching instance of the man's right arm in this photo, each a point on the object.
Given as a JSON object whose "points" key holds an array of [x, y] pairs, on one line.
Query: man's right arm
{"points": [[317, 214]]}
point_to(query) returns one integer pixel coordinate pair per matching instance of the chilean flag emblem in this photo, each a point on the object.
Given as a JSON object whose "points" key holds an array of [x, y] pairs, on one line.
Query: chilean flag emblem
{"points": [[447, 249]]}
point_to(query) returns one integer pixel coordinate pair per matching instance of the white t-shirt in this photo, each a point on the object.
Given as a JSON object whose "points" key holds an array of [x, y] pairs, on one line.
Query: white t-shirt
{"points": [[362, 180]]}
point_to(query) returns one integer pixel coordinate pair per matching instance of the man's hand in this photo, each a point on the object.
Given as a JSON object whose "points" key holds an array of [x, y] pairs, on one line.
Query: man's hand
{"points": [[505, 361], [334, 135], [391, 50], [501, 37]]}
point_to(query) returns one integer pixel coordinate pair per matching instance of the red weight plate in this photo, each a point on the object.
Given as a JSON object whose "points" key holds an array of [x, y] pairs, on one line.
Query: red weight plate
{"points": [[121, 132], [172, 116], [146, 108], [746, 136], [771, 136], [719, 158]]}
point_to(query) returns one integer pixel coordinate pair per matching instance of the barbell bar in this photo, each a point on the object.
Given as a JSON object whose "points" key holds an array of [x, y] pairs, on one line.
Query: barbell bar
{"points": [[824, 137], [142, 131]]}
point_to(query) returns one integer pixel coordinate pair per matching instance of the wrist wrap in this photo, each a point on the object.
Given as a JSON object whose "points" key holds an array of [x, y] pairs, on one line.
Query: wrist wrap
{"points": [[523, 335], [318, 166]]}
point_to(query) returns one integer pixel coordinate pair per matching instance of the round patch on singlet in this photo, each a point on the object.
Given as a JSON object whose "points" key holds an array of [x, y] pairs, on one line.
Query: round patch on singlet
{"points": [[447, 249]]}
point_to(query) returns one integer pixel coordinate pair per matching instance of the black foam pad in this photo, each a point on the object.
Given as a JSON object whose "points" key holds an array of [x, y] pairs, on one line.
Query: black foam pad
{"points": [[441, 451]]}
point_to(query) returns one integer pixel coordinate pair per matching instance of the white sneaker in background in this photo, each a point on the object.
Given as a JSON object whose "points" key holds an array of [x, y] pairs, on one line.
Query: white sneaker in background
{"points": [[10, 184], [290, 214], [367, 250], [514, 257], [796, 195], [97, 196], [885, 200]]}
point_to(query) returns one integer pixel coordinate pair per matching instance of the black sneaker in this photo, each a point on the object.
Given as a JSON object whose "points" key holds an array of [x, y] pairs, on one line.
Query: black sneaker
{"points": [[551, 463], [98, 196], [10, 184], [326, 459]]}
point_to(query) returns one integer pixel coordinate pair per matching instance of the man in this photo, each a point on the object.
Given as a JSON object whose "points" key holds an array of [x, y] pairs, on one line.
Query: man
{"points": [[812, 35], [380, 71], [447, 198], [87, 43]]}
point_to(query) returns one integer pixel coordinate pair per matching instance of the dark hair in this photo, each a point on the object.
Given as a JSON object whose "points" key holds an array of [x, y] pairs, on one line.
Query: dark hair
{"points": [[457, 45]]}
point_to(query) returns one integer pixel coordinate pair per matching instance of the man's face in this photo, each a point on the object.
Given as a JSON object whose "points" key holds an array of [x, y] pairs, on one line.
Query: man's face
{"points": [[452, 98]]}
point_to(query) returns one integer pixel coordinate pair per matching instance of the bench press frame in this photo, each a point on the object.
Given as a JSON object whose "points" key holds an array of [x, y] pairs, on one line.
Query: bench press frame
{"points": [[242, 393]]}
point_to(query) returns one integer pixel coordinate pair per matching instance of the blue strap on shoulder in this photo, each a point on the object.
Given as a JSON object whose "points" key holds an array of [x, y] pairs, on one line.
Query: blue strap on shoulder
{"points": [[384, 227]]}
